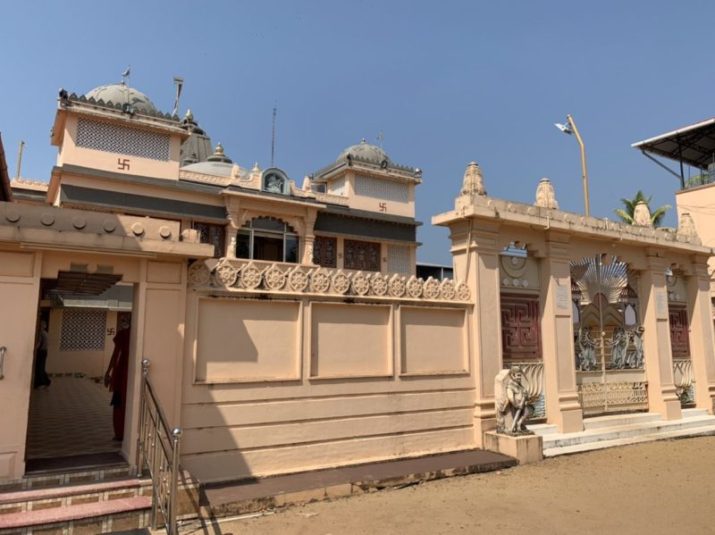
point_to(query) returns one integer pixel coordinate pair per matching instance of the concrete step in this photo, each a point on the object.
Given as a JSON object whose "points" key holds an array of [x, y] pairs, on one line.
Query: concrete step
{"points": [[625, 431], [65, 495], [599, 422], [661, 435], [99, 517]]}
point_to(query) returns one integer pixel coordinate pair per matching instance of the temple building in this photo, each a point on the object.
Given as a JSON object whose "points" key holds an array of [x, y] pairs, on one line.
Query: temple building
{"points": [[252, 324]]}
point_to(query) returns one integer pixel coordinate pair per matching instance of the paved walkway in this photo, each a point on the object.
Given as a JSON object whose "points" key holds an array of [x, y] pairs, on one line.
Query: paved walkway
{"points": [[655, 488]]}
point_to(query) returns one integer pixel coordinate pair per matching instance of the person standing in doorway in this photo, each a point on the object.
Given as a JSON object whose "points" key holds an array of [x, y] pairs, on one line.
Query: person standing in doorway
{"points": [[116, 377], [41, 379]]}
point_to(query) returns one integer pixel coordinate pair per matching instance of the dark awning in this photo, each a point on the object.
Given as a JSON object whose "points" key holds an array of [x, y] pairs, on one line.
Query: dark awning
{"points": [[693, 145], [82, 283]]}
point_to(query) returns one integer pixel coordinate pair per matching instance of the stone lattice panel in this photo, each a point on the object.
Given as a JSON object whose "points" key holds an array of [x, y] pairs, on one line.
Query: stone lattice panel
{"points": [[381, 189], [83, 330], [111, 138]]}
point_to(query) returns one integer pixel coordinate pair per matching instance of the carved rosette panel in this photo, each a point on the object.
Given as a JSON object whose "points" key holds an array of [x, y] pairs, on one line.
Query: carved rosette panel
{"points": [[231, 274], [360, 283], [319, 281], [250, 277], [414, 287], [199, 274], [447, 290], [397, 286], [274, 278], [431, 288], [463, 293], [226, 275], [340, 283], [298, 280], [378, 284]]}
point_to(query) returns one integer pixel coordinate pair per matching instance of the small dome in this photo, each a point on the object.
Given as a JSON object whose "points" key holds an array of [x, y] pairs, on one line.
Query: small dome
{"points": [[123, 94], [365, 151]]}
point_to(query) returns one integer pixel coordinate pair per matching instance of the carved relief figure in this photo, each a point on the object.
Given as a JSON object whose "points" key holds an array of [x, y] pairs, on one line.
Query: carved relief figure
{"points": [[512, 402], [620, 348], [586, 357]]}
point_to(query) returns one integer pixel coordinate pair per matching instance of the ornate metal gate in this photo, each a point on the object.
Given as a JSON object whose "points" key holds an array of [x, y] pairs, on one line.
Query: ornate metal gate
{"points": [[607, 337]]}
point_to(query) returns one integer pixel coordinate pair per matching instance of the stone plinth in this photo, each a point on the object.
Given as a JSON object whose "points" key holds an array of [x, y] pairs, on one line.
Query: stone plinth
{"points": [[524, 448]]}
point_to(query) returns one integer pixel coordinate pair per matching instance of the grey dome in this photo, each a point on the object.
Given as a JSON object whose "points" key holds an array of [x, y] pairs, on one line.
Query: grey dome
{"points": [[365, 151], [123, 94]]}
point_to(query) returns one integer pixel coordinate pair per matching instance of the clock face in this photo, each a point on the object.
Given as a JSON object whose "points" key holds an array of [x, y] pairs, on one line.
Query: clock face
{"points": [[274, 183]]}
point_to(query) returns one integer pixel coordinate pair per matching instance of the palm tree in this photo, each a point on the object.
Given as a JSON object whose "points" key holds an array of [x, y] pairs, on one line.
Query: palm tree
{"points": [[626, 213]]}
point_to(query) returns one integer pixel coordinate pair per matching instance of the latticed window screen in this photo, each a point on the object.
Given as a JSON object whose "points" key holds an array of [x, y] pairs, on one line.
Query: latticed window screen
{"points": [[381, 189], [362, 255], [398, 259], [83, 330], [111, 138]]}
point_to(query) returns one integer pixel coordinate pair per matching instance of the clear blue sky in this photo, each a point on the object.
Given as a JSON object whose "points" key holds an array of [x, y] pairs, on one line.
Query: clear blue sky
{"points": [[446, 82]]}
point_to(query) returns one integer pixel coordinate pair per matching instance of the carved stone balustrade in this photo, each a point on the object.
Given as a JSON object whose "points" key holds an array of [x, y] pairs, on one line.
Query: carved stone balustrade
{"points": [[251, 276]]}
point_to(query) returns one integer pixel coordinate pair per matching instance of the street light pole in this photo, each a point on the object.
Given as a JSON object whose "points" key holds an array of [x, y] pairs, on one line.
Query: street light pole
{"points": [[584, 172]]}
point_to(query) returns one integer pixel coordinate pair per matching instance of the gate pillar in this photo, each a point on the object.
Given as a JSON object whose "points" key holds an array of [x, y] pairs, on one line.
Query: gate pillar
{"points": [[702, 339], [562, 405], [476, 261], [662, 397]]}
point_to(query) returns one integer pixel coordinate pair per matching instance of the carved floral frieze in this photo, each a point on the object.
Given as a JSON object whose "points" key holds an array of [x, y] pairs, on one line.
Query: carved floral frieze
{"points": [[239, 275]]}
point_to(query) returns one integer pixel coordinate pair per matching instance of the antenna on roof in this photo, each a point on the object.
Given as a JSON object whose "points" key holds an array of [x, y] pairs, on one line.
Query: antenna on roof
{"points": [[19, 159], [125, 74], [380, 138], [178, 84], [273, 134]]}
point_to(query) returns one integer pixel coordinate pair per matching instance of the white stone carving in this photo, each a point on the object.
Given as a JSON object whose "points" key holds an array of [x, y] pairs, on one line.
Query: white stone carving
{"points": [[360, 283], [430, 289], [319, 281], [641, 215], [414, 287], [378, 284], [298, 280], [226, 275], [341, 283], [250, 277], [512, 402], [397, 286], [447, 290], [199, 274], [274, 278], [463, 293], [545, 195]]}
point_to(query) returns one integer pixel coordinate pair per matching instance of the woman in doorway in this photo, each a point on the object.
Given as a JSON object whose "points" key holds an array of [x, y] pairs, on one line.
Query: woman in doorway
{"points": [[116, 377], [41, 380]]}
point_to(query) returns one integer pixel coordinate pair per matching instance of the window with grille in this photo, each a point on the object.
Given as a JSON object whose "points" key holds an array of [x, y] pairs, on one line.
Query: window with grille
{"points": [[121, 140], [362, 255], [83, 330], [381, 189], [325, 251], [398, 259]]}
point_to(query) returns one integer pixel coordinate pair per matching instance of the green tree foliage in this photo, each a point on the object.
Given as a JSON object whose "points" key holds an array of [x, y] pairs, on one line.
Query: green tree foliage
{"points": [[629, 207]]}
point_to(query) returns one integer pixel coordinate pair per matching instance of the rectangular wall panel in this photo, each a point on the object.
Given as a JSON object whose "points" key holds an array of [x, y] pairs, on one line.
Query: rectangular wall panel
{"points": [[433, 340], [350, 340], [241, 340]]}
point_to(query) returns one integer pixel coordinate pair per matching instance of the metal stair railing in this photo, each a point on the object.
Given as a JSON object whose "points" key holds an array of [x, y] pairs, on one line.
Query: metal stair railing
{"points": [[158, 451]]}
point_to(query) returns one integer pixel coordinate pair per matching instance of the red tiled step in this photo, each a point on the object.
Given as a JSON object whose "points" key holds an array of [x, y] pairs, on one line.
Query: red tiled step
{"points": [[70, 490], [73, 512]]}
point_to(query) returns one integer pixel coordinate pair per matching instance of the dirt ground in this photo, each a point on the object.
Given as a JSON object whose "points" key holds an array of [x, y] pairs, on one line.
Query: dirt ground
{"points": [[659, 487]]}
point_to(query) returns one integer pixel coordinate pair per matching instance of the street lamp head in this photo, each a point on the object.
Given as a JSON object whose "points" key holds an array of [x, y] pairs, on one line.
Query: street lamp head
{"points": [[565, 128]]}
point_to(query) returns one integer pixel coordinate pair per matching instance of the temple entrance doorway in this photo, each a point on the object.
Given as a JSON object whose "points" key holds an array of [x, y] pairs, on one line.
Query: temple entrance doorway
{"points": [[610, 372], [71, 418]]}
